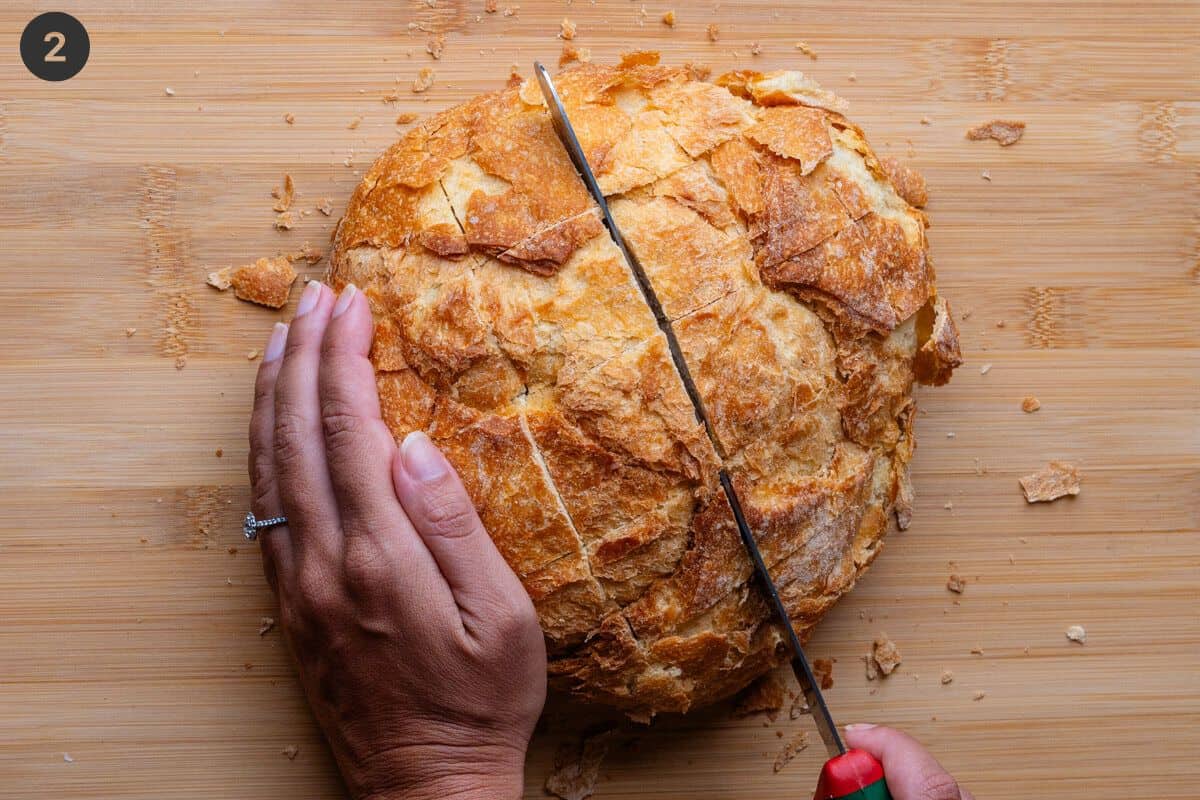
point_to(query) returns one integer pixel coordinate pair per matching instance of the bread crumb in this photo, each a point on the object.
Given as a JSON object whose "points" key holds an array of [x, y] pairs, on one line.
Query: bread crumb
{"points": [[511, 11], [1076, 633], [979, 696], [823, 671], [219, 452], [325, 206], [353, 124], [283, 197], [669, 18], [291, 751], [289, 118], [798, 743], [807, 50], [947, 677], [798, 709], [1003, 131], [221, 279], [885, 654], [948, 505], [765, 695], [755, 48], [130, 331], [307, 253], [714, 33], [985, 369], [852, 77], [572, 53], [1056, 479], [180, 362], [956, 584], [435, 45], [567, 29], [266, 625], [976, 651], [490, 6], [405, 117], [285, 221], [251, 355], [1030, 404], [987, 176], [872, 667], [926, 121], [169, 92], [576, 767], [423, 80], [268, 281]]}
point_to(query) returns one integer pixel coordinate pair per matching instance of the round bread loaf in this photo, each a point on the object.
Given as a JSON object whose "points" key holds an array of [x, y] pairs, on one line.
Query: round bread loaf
{"points": [[796, 279]]}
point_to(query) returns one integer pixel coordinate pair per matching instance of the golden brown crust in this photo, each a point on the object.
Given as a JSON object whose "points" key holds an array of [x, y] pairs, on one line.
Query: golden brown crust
{"points": [[800, 212], [782, 88], [794, 132], [939, 352], [691, 262], [908, 182], [879, 297], [795, 277]]}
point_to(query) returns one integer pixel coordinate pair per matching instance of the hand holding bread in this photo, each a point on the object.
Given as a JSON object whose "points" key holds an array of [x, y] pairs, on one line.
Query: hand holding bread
{"points": [[418, 649]]}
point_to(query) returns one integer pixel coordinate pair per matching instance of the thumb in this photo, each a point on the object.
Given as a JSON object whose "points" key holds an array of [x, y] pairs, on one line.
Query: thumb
{"points": [[911, 772], [441, 511]]}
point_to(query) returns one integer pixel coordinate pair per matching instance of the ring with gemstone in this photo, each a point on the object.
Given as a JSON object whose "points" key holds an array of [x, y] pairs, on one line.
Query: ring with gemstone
{"points": [[252, 526]]}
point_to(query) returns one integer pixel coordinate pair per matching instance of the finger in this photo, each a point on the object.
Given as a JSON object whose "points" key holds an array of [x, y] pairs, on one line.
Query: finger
{"points": [[300, 467], [911, 772], [380, 545], [274, 543], [358, 445], [485, 588]]}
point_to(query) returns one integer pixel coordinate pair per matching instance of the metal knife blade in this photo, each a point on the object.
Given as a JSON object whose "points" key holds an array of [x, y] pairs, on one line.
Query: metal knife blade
{"points": [[800, 666]]}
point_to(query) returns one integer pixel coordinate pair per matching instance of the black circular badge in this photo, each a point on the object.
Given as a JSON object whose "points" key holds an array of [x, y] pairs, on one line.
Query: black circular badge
{"points": [[55, 46]]}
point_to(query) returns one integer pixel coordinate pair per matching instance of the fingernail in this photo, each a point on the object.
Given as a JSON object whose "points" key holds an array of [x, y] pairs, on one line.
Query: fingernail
{"points": [[275, 343], [344, 299], [860, 726], [422, 459], [308, 300]]}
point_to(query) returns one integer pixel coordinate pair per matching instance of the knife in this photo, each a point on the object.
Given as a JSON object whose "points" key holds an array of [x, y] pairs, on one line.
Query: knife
{"points": [[848, 774]]}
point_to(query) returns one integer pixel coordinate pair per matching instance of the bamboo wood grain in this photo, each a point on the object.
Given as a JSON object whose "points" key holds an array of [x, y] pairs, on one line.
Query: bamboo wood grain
{"points": [[128, 630]]}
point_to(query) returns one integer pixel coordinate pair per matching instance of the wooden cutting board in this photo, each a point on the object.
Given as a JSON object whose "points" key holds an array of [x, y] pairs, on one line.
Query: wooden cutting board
{"points": [[128, 624]]}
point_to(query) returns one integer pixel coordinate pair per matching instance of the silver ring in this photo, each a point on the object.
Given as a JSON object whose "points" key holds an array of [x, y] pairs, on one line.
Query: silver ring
{"points": [[252, 526]]}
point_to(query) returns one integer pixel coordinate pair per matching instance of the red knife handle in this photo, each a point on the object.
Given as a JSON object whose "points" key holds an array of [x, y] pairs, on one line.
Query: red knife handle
{"points": [[854, 775]]}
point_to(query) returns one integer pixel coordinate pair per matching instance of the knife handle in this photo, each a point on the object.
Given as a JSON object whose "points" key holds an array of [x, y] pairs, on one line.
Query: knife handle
{"points": [[854, 775]]}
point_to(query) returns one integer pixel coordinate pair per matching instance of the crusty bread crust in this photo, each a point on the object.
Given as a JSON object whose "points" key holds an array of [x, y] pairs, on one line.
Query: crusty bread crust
{"points": [[509, 327]]}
